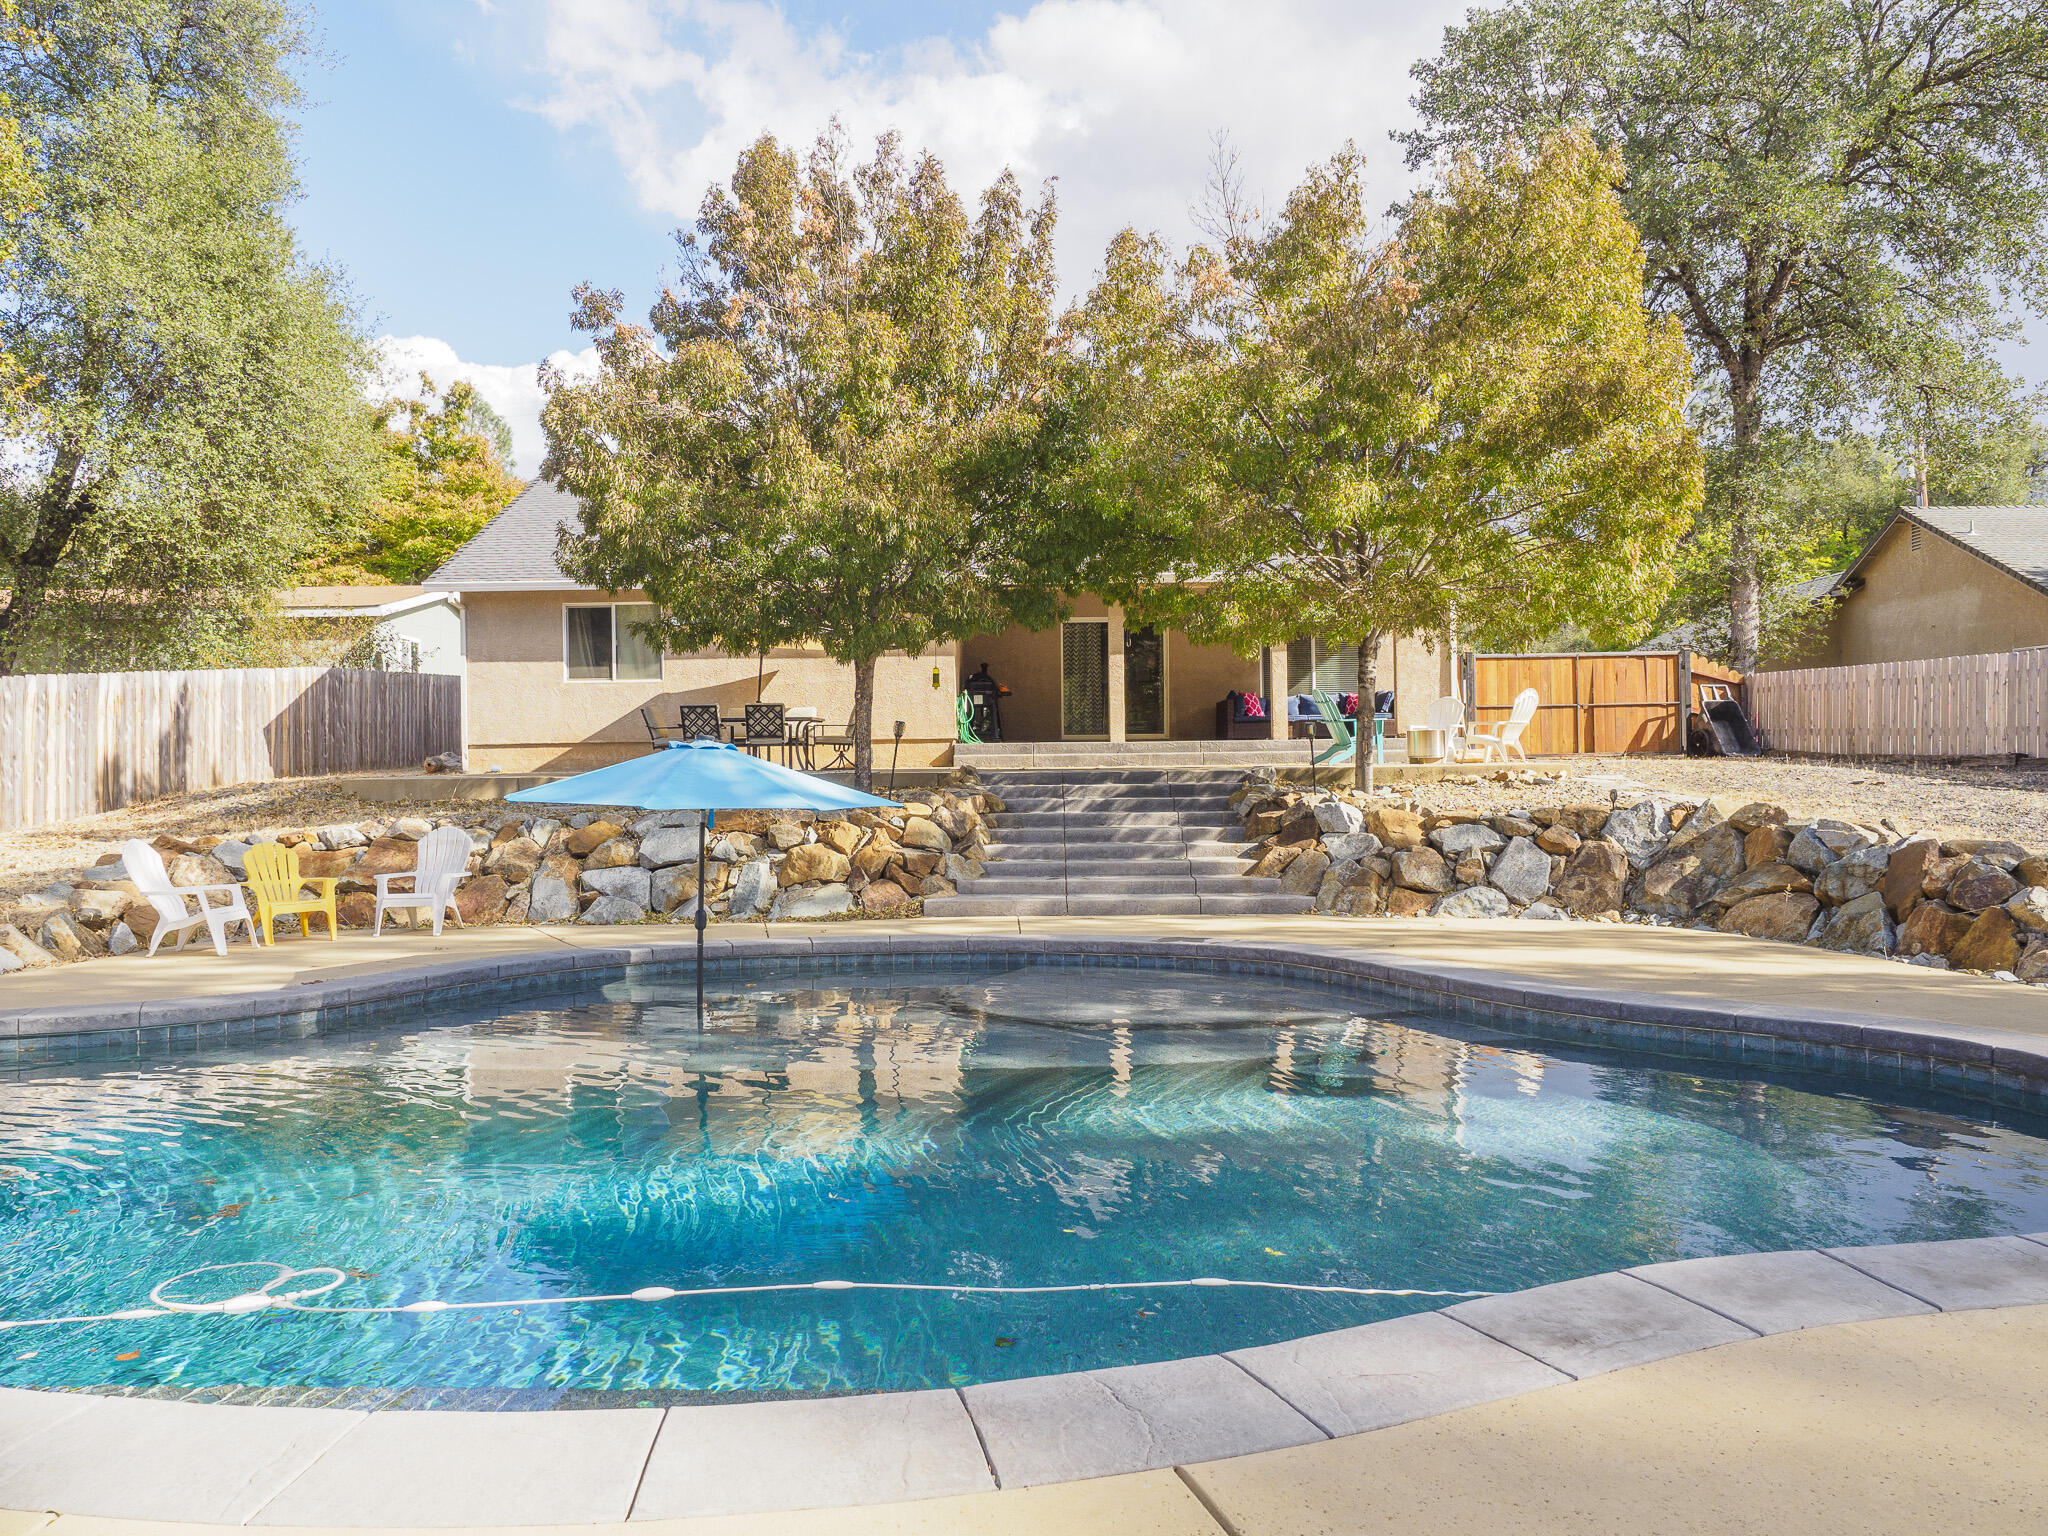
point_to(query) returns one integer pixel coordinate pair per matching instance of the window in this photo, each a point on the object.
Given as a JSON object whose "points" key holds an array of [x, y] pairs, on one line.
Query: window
{"points": [[599, 642], [1313, 664]]}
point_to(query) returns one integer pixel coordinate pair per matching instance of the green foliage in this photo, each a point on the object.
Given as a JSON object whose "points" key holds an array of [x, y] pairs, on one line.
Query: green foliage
{"points": [[831, 432], [1312, 430], [191, 417], [444, 477], [1819, 184]]}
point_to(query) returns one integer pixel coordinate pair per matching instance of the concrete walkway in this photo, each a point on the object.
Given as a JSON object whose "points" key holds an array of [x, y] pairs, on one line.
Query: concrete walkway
{"points": [[1680, 964], [1902, 1427]]}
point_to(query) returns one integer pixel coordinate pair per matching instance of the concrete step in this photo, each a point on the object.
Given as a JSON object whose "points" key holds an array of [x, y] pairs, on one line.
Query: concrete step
{"points": [[1138, 906], [1249, 906], [995, 906], [1025, 885], [1071, 818], [1081, 870]]}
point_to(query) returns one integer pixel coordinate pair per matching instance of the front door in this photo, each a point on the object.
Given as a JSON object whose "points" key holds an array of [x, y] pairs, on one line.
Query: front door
{"points": [[1144, 682], [1084, 680]]}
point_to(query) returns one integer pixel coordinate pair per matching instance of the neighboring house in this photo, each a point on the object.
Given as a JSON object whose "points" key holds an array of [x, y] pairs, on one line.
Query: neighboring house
{"points": [[417, 629], [1939, 581], [556, 678]]}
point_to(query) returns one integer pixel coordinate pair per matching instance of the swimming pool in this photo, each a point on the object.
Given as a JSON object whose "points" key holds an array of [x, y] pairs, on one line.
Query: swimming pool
{"points": [[986, 1123]]}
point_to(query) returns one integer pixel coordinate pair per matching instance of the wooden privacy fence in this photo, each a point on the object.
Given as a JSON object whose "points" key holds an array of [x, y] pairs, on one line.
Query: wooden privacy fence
{"points": [[1593, 701], [1953, 706], [72, 744]]}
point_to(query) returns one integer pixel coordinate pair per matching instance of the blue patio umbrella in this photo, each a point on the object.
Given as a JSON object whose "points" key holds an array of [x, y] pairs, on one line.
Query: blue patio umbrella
{"points": [[704, 776]]}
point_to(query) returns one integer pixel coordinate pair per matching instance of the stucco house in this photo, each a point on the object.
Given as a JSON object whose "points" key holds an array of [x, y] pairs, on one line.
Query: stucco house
{"points": [[1939, 581], [557, 679], [418, 629]]}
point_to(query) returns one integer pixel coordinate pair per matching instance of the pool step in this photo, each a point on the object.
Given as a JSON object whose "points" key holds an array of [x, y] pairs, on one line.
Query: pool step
{"points": [[1095, 844]]}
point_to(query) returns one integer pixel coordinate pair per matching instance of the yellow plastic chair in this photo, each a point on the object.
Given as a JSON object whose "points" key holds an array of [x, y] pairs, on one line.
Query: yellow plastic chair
{"points": [[274, 880]]}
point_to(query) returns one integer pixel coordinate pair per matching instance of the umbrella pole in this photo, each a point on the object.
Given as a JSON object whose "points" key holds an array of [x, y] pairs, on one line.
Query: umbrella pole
{"points": [[702, 818]]}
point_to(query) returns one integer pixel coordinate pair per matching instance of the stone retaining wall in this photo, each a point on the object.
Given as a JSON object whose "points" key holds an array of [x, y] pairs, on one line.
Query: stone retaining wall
{"points": [[1976, 904], [584, 867]]}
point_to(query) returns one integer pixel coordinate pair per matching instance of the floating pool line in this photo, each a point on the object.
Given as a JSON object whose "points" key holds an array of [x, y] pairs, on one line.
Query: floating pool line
{"points": [[267, 1297]]}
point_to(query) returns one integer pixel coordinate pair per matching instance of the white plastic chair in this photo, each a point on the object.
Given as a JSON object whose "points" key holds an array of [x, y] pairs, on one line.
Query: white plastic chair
{"points": [[174, 912], [1508, 738], [443, 860], [1447, 714]]}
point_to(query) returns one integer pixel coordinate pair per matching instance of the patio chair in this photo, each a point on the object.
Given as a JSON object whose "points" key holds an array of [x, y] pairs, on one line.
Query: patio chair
{"points": [[656, 733], [1447, 714], [174, 913], [840, 739], [274, 880], [438, 868], [1508, 737], [762, 725], [701, 723], [1343, 746]]}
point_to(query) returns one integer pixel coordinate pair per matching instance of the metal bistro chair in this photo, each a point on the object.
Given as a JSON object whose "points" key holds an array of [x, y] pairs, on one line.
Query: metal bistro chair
{"points": [[701, 723], [764, 727], [840, 739], [656, 732]]}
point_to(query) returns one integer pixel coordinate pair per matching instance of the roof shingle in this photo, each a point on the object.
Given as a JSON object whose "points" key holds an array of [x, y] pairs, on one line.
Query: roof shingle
{"points": [[518, 545], [2013, 538]]}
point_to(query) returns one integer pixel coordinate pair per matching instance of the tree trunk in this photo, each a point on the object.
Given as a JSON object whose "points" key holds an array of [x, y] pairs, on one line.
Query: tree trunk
{"points": [[1368, 689], [1745, 581], [863, 725]]}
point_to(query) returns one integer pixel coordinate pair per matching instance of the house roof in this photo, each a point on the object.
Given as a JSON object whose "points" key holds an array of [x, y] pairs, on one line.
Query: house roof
{"points": [[516, 549], [2015, 539], [375, 602]]}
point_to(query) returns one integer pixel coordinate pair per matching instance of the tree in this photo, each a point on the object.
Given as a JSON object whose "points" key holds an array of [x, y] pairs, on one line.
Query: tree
{"points": [[1817, 183], [191, 414], [830, 432], [444, 477], [1311, 430]]}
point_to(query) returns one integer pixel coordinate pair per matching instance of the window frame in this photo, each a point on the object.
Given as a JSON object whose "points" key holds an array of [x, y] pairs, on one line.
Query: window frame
{"points": [[618, 628]]}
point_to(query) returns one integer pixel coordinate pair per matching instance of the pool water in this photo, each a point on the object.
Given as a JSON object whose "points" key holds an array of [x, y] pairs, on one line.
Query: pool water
{"points": [[975, 1124]]}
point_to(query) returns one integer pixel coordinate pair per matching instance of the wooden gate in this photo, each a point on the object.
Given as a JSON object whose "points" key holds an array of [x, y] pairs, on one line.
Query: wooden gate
{"points": [[1593, 701]]}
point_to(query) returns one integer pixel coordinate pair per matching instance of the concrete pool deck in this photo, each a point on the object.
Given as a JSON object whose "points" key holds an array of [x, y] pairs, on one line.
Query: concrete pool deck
{"points": [[1880, 1415]]}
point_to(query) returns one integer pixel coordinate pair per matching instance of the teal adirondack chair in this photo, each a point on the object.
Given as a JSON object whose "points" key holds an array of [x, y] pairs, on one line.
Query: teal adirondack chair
{"points": [[1343, 745]]}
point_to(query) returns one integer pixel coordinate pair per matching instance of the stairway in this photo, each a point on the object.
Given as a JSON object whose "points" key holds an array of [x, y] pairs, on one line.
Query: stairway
{"points": [[1080, 842]]}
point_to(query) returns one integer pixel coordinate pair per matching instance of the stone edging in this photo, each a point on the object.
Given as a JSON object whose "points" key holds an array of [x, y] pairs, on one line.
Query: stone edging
{"points": [[309, 1466]]}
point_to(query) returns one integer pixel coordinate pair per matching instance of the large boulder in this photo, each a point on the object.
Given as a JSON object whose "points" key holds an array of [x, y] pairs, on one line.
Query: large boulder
{"points": [[581, 840], [1782, 915], [24, 950], [663, 846], [1854, 873], [1468, 837], [1762, 880], [883, 896], [1346, 849], [515, 861], [2032, 964], [873, 856], [785, 834], [614, 909], [1359, 893], [98, 907], [736, 847], [1905, 872], [1977, 886], [1756, 814], [341, 835], [1940, 872], [1275, 859], [553, 900], [753, 888], [1474, 901], [1764, 845], [1558, 839], [1521, 871], [2033, 871], [671, 887], [65, 937], [327, 863], [613, 853], [1640, 831], [1675, 885], [667, 821], [1338, 818], [1860, 927], [482, 900], [1305, 875], [1585, 820], [1819, 845], [1594, 879], [627, 882], [1933, 928], [840, 836], [1995, 851], [810, 901], [808, 863], [1421, 869], [1991, 944], [385, 856], [2029, 908], [201, 869], [1395, 828], [923, 832]]}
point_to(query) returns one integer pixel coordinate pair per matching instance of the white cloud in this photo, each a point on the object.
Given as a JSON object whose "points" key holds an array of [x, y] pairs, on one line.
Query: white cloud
{"points": [[512, 390], [1117, 98]]}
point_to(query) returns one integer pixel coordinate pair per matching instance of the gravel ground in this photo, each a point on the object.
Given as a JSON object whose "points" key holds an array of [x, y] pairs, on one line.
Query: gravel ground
{"points": [[1964, 801]]}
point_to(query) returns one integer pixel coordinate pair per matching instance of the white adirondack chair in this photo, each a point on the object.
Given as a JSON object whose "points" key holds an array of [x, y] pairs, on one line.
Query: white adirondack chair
{"points": [[1508, 738], [442, 860], [1447, 714], [175, 913]]}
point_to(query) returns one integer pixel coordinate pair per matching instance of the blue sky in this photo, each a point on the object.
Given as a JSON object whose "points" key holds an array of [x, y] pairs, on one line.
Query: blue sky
{"points": [[467, 162]]}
